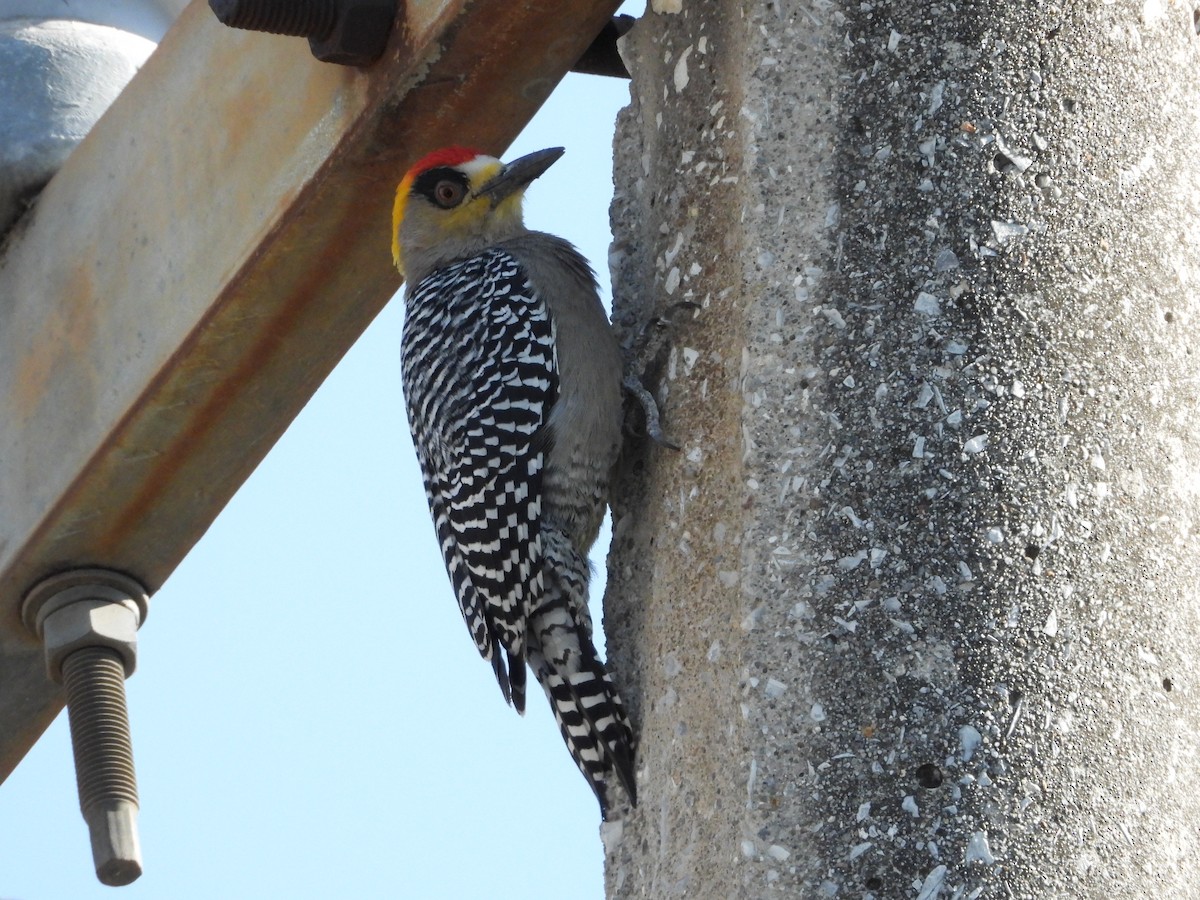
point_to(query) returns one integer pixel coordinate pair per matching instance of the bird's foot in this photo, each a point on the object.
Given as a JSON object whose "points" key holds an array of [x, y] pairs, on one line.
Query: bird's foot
{"points": [[647, 348]]}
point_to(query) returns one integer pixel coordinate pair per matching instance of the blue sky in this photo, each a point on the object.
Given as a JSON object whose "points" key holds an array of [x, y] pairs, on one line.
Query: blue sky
{"points": [[310, 717]]}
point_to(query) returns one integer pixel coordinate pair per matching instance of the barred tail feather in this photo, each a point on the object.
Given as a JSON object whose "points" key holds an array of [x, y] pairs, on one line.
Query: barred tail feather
{"points": [[591, 718], [516, 668]]}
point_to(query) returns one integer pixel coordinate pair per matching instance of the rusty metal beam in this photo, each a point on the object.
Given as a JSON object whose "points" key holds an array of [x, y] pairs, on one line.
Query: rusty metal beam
{"points": [[202, 261]]}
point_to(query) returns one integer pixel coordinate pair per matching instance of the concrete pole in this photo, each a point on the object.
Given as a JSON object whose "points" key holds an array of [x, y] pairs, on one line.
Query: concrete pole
{"points": [[913, 612]]}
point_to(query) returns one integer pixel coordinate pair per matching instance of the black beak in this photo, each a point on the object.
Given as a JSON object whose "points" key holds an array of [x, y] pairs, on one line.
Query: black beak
{"points": [[519, 173]]}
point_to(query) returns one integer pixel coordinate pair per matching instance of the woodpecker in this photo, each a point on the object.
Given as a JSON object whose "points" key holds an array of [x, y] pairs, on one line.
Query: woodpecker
{"points": [[512, 382]]}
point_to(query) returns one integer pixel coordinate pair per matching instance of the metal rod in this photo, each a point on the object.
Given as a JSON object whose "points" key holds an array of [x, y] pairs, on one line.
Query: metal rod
{"points": [[94, 679]]}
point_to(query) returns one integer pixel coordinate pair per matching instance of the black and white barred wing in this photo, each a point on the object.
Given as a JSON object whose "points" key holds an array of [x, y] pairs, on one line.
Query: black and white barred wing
{"points": [[479, 381]]}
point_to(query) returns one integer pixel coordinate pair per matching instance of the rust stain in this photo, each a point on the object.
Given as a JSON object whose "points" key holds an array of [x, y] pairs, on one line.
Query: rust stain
{"points": [[64, 343], [258, 353]]}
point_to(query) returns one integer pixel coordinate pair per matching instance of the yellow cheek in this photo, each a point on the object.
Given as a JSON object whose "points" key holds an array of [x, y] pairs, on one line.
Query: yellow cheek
{"points": [[469, 218], [461, 218], [509, 208]]}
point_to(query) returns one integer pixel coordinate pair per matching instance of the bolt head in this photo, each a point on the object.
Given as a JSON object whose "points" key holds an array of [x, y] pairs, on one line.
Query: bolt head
{"points": [[360, 35]]}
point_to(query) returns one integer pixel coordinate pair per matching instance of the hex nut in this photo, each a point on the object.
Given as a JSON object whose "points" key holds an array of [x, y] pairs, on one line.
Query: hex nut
{"points": [[91, 623], [360, 35], [86, 608]]}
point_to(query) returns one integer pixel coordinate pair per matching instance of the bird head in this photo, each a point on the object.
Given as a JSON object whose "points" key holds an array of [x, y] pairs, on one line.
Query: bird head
{"points": [[455, 202]]}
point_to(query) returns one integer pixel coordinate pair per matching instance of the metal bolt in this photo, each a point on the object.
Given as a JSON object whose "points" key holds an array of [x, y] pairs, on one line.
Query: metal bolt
{"points": [[347, 32], [602, 56], [301, 18], [88, 620]]}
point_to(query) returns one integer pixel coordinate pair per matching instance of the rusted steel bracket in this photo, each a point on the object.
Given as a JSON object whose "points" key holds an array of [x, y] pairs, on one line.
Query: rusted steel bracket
{"points": [[199, 265]]}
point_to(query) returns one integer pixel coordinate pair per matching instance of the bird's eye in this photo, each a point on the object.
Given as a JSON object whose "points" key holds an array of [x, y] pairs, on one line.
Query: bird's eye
{"points": [[448, 193]]}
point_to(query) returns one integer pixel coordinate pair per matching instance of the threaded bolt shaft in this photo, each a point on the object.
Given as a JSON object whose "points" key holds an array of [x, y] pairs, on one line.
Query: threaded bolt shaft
{"points": [[302, 18], [94, 679]]}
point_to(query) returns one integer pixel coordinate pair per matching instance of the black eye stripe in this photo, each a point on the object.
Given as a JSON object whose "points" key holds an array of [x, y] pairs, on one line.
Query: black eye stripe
{"points": [[426, 183]]}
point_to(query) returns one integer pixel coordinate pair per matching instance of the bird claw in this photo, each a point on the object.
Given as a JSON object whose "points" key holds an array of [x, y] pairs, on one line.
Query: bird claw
{"points": [[633, 384], [647, 347]]}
